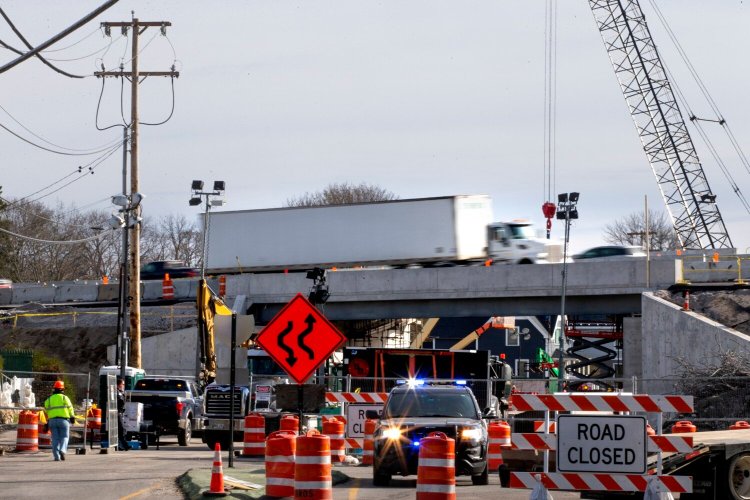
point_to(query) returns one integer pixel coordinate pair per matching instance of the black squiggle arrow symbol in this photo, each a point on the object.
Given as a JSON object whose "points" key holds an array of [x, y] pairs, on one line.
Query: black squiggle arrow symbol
{"points": [[280, 340], [310, 320]]}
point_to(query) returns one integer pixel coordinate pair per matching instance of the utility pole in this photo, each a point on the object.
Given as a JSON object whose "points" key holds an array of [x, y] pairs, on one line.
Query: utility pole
{"points": [[136, 27]]}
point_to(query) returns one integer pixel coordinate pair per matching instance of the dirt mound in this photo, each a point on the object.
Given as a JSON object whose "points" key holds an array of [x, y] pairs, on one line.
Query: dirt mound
{"points": [[730, 308]]}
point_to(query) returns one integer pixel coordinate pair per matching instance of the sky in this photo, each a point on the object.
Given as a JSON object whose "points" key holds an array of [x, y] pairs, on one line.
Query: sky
{"points": [[424, 98]]}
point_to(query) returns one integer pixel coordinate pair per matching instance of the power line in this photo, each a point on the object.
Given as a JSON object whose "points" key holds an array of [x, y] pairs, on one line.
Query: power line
{"points": [[55, 242], [52, 150]]}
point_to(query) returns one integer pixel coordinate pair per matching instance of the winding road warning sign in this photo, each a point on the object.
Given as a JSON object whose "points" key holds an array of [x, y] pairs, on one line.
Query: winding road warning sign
{"points": [[299, 338]]}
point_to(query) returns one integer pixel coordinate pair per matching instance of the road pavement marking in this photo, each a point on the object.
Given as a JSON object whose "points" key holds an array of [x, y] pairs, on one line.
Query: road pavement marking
{"points": [[354, 489]]}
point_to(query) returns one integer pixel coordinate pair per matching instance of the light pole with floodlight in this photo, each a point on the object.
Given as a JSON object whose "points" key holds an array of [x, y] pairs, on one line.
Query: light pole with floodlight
{"points": [[567, 211], [195, 200]]}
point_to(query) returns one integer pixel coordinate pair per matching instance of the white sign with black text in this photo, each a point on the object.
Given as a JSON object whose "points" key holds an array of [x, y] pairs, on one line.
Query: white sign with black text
{"points": [[355, 418], [601, 443]]}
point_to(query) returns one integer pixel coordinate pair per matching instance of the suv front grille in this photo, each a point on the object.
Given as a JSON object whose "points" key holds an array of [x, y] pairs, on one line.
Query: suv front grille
{"points": [[420, 432]]}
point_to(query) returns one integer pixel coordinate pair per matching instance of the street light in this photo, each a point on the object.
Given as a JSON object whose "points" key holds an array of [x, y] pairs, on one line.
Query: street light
{"points": [[198, 197], [567, 211], [126, 220]]}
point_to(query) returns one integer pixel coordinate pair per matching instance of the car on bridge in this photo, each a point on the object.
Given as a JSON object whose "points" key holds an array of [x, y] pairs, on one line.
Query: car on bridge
{"points": [[610, 252], [175, 268], [5, 283]]}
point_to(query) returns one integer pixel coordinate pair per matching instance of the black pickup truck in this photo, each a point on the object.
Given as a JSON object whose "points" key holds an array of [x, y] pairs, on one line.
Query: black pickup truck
{"points": [[171, 405]]}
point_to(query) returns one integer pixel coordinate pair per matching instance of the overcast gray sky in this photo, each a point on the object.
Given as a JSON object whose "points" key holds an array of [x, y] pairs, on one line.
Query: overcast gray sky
{"points": [[424, 98]]}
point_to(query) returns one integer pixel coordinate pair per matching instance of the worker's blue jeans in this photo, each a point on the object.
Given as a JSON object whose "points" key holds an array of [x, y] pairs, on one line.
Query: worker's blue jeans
{"points": [[60, 429]]}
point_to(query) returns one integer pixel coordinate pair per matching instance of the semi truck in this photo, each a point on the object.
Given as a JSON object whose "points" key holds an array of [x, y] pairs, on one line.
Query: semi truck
{"points": [[440, 231]]}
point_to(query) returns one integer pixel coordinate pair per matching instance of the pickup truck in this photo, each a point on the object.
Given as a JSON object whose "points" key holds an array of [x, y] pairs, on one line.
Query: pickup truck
{"points": [[171, 405]]}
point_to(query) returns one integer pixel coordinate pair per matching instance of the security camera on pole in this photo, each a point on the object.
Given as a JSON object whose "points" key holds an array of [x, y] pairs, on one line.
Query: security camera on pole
{"points": [[567, 211]]}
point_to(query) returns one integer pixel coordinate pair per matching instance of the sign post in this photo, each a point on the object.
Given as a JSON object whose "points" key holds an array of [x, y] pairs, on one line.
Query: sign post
{"points": [[299, 338]]}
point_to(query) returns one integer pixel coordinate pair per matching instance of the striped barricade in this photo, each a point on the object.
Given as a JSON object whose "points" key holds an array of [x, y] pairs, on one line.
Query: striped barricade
{"points": [[597, 402], [535, 441], [589, 481], [356, 397]]}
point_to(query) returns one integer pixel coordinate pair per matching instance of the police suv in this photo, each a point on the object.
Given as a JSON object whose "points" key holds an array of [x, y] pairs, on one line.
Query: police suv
{"points": [[415, 409]]}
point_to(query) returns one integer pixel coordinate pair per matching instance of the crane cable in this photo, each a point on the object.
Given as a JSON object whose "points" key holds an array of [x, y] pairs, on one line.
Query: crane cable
{"points": [[550, 111], [712, 104]]}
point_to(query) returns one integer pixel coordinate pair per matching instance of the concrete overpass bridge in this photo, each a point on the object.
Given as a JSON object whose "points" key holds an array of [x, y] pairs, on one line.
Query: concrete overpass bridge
{"points": [[613, 287]]}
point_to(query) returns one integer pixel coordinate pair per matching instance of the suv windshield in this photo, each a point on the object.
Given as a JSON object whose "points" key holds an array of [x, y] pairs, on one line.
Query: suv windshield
{"points": [[426, 403]]}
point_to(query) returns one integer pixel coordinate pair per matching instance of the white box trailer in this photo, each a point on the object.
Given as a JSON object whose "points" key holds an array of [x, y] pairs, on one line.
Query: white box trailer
{"points": [[393, 233]]}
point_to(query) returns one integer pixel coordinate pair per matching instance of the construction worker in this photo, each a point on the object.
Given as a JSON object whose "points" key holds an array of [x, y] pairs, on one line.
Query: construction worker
{"points": [[60, 415]]}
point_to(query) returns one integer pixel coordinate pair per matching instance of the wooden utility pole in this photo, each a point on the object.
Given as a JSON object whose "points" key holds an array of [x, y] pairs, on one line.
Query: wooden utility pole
{"points": [[134, 293]]}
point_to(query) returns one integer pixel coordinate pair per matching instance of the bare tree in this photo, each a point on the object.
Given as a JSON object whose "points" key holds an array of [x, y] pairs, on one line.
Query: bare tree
{"points": [[172, 237], [631, 230], [342, 193]]}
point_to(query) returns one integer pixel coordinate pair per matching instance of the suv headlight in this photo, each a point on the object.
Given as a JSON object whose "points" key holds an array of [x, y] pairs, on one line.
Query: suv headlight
{"points": [[392, 433], [471, 434]]}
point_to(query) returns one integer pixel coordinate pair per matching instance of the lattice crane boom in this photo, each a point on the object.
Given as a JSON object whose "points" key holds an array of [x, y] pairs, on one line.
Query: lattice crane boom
{"points": [[661, 127]]}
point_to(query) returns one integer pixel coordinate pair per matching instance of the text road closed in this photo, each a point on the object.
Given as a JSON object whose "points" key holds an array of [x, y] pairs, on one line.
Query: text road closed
{"points": [[601, 443]]}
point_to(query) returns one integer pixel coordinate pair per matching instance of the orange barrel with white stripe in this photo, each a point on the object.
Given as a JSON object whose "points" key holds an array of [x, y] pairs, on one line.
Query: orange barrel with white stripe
{"points": [[167, 288], [27, 434], [740, 425], [94, 419], [369, 444], [44, 438], [289, 423], [436, 475], [280, 451], [312, 467], [222, 285], [499, 437], [254, 437], [334, 428]]}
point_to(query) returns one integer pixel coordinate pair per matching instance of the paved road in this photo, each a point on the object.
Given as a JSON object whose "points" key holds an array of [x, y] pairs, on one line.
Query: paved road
{"points": [[142, 474]]}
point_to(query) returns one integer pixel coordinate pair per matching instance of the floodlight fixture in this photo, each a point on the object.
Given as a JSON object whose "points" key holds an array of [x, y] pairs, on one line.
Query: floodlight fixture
{"points": [[136, 199], [196, 185], [116, 222], [562, 197], [217, 203], [219, 186], [573, 214], [120, 200], [194, 201], [573, 197]]}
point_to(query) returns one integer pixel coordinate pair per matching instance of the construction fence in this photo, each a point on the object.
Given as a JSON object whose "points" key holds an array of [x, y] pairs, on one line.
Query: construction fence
{"points": [[23, 394]]}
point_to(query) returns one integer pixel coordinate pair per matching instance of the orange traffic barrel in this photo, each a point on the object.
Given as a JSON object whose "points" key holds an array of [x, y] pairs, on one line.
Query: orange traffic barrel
{"points": [[312, 467], [44, 438], [280, 451], [289, 423], [683, 426], [334, 428], [222, 285], [94, 419], [254, 437], [369, 444], [499, 437], [167, 288], [739, 425], [436, 474], [27, 434]]}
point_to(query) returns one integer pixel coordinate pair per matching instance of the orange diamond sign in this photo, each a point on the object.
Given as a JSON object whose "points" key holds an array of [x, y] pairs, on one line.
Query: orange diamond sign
{"points": [[299, 338]]}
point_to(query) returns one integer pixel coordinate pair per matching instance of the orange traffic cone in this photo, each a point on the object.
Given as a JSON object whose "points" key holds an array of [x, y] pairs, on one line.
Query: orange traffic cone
{"points": [[686, 302], [217, 476]]}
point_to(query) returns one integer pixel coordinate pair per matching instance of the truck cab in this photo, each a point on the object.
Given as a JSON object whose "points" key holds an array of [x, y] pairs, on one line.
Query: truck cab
{"points": [[515, 242], [265, 374]]}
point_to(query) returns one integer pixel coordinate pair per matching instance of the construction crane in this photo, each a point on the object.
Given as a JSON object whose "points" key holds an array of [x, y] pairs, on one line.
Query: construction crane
{"points": [[661, 127]]}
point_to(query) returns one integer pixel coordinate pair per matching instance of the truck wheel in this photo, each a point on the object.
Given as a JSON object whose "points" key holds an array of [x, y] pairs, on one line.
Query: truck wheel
{"points": [[739, 476], [482, 479], [184, 435], [379, 479]]}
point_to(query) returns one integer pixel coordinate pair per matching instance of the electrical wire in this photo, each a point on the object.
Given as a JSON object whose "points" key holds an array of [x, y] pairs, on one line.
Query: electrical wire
{"points": [[98, 105], [171, 112], [93, 150], [702, 87], [89, 170], [30, 47], [103, 49], [57, 242], [140, 51], [33, 214], [48, 149], [95, 30]]}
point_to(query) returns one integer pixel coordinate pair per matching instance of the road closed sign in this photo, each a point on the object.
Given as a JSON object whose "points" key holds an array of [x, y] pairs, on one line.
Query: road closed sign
{"points": [[356, 415], [601, 443]]}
